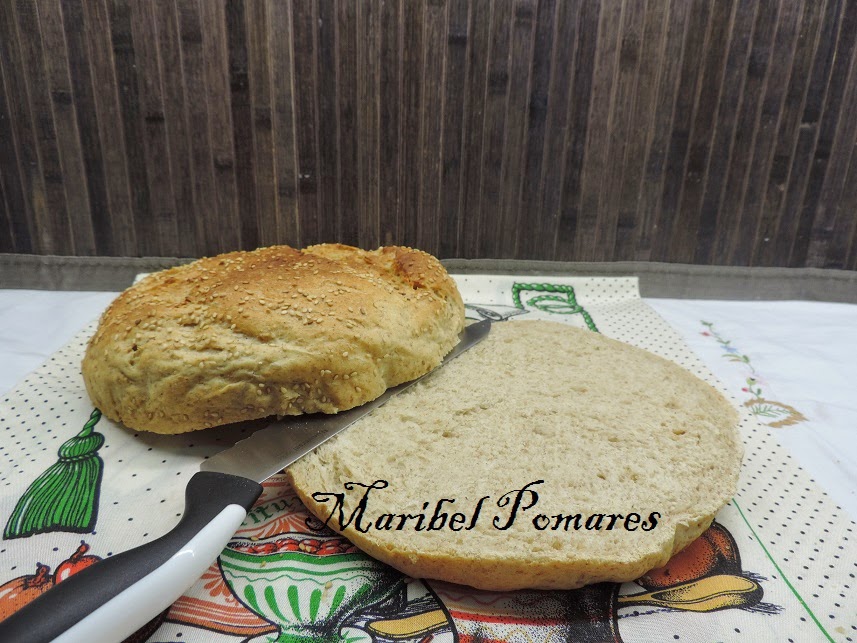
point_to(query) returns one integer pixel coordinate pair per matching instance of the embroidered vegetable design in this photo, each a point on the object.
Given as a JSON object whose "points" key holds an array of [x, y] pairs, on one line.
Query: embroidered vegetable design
{"points": [[706, 576], [65, 496], [564, 303], [78, 561], [21, 590]]}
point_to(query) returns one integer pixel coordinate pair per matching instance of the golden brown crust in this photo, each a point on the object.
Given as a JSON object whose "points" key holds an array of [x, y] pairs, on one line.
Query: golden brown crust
{"points": [[275, 331]]}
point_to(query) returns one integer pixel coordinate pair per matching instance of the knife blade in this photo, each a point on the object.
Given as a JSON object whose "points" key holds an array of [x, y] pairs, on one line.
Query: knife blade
{"points": [[113, 598]]}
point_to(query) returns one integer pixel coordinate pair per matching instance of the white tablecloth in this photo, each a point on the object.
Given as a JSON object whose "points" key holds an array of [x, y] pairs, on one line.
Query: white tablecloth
{"points": [[800, 355]]}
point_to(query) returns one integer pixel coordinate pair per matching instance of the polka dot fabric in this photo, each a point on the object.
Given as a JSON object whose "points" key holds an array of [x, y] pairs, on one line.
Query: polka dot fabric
{"points": [[144, 475], [792, 576], [799, 545]]}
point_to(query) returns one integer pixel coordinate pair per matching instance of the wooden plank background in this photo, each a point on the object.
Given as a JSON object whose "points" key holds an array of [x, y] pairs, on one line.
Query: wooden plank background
{"points": [[688, 131]]}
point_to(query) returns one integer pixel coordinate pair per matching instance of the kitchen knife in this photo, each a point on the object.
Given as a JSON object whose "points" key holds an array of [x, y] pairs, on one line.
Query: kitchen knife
{"points": [[112, 599]]}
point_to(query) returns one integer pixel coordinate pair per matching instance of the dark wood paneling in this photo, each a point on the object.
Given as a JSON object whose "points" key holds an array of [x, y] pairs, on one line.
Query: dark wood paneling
{"points": [[368, 126], [474, 114], [17, 233], [21, 161], [702, 41], [215, 88], [261, 121], [626, 70], [283, 125], [683, 131], [650, 52], [594, 162], [653, 181], [543, 235], [681, 230], [577, 129], [390, 118], [530, 214], [454, 107]]}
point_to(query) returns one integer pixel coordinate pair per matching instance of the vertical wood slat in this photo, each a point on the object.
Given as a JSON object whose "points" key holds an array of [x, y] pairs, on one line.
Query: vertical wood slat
{"points": [[783, 48], [844, 254], [721, 144], [642, 123], [626, 66], [47, 149], [161, 220], [701, 32], [493, 127], [577, 128], [305, 79], [530, 214], [243, 132], [368, 179], [834, 141], [283, 124], [18, 220], [205, 197], [261, 114], [648, 201], [346, 119], [817, 84], [51, 98], [390, 120], [828, 243], [671, 131], [117, 213], [642, 116], [410, 98], [471, 171], [431, 120], [545, 234], [76, 203], [744, 140], [599, 125], [847, 206], [129, 104], [7, 242], [455, 103], [215, 82], [21, 140], [167, 36], [681, 243], [521, 46], [787, 133], [329, 78]]}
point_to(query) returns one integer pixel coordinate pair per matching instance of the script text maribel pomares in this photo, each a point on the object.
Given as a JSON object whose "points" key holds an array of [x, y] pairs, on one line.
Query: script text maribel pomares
{"points": [[512, 506]]}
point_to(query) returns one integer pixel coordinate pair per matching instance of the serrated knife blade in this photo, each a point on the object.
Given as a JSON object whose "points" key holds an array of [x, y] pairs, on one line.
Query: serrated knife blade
{"points": [[273, 448], [112, 599]]}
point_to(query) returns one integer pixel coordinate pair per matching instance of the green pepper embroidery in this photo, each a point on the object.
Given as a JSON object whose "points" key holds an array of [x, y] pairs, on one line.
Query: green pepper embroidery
{"points": [[65, 496], [562, 304]]}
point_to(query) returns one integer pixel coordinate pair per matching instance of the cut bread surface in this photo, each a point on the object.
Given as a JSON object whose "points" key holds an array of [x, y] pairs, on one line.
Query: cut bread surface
{"points": [[629, 454]]}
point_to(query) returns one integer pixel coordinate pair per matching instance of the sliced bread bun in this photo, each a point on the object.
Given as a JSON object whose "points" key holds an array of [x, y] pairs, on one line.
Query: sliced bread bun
{"points": [[611, 430], [276, 331]]}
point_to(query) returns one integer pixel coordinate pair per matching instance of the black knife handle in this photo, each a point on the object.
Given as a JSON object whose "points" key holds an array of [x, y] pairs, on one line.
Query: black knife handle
{"points": [[116, 596]]}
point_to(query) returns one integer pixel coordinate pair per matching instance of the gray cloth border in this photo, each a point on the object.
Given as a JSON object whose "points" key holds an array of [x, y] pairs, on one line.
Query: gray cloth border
{"points": [[686, 281], [48, 272], [657, 280]]}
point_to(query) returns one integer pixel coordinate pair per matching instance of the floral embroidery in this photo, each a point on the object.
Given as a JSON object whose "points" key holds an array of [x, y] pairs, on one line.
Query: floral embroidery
{"points": [[777, 414]]}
